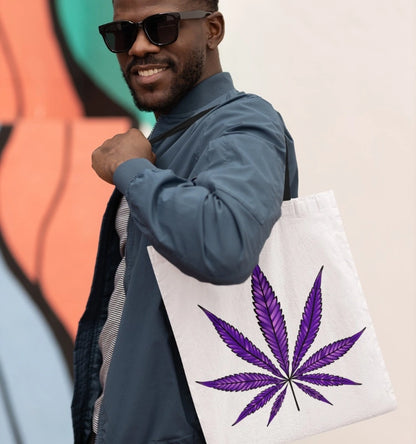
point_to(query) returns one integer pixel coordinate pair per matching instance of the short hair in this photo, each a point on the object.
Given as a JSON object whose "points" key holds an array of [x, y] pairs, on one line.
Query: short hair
{"points": [[210, 5]]}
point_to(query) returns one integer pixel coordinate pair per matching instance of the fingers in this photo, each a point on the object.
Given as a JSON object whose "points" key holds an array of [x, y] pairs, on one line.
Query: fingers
{"points": [[120, 148]]}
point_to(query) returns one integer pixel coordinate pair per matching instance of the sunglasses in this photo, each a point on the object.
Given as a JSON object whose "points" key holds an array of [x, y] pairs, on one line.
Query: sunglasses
{"points": [[160, 29]]}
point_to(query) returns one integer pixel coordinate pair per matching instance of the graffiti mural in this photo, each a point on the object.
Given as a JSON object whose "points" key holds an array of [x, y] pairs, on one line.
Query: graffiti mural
{"points": [[61, 95]]}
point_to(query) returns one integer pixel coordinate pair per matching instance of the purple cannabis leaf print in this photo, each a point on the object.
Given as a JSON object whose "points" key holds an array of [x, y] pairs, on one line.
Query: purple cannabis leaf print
{"points": [[272, 324], [271, 320], [309, 325]]}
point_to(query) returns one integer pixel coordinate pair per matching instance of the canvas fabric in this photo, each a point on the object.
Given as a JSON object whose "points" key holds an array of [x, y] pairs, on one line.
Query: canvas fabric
{"points": [[308, 313]]}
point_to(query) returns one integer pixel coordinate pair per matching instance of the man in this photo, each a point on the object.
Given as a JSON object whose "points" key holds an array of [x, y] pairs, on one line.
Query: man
{"points": [[206, 197]]}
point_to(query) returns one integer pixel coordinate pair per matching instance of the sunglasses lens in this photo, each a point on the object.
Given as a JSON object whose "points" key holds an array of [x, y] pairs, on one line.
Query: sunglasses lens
{"points": [[162, 29], [119, 36]]}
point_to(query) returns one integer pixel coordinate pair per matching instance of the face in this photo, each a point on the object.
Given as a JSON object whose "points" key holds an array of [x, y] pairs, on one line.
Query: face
{"points": [[158, 77]]}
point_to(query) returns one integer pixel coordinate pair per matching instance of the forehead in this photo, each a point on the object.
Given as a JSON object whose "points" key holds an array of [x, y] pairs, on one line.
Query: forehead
{"points": [[139, 9]]}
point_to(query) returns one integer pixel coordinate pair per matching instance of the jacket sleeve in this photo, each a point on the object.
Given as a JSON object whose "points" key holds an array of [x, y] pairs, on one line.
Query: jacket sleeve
{"points": [[213, 225]]}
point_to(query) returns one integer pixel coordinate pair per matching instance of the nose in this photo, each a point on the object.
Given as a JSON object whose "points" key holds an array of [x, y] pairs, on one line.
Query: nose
{"points": [[142, 45]]}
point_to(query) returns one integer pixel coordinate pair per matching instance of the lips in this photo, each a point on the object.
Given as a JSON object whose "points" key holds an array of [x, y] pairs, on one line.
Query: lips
{"points": [[148, 69], [147, 75], [149, 72]]}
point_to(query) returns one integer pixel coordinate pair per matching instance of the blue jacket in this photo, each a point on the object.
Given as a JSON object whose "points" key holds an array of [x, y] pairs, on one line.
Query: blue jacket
{"points": [[208, 206]]}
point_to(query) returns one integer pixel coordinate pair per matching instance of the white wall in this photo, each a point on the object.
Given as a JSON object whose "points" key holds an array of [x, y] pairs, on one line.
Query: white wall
{"points": [[342, 73]]}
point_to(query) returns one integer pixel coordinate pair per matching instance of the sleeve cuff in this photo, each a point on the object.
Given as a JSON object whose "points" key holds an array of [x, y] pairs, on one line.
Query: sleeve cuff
{"points": [[128, 170]]}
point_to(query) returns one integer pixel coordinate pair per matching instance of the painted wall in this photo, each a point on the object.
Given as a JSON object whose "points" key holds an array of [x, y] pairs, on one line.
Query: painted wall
{"points": [[53, 112], [341, 73]]}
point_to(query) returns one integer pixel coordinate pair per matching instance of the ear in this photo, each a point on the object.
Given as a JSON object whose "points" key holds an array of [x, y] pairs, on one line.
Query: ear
{"points": [[215, 29]]}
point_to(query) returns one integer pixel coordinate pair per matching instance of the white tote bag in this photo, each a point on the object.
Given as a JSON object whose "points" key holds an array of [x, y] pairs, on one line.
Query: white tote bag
{"points": [[292, 351]]}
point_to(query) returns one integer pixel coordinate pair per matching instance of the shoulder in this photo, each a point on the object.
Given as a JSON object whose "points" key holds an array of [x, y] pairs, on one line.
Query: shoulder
{"points": [[245, 113], [247, 105]]}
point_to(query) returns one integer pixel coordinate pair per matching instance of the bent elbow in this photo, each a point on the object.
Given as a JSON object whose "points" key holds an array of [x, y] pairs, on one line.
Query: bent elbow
{"points": [[229, 269]]}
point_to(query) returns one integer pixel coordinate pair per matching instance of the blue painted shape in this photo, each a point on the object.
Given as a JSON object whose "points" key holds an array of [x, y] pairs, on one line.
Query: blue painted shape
{"points": [[37, 379], [6, 433]]}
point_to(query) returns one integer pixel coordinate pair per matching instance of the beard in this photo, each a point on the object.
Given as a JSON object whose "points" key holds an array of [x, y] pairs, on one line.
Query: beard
{"points": [[186, 77]]}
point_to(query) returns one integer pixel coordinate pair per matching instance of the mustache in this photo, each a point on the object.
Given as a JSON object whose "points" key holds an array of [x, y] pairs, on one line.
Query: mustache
{"points": [[148, 60]]}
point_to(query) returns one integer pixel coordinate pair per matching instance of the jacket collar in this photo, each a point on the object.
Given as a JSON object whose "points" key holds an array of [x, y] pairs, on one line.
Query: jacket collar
{"points": [[201, 96]]}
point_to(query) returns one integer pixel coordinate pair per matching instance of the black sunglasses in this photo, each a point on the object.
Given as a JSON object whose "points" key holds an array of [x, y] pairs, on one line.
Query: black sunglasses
{"points": [[160, 29]]}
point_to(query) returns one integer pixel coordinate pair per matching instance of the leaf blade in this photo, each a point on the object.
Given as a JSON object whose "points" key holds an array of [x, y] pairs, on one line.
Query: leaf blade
{"points": [[312, 392], [326, 380], [270, 318], [310, 322], [259, 401], [241, 382], [277, 405], [241, 345], [328, 354]]}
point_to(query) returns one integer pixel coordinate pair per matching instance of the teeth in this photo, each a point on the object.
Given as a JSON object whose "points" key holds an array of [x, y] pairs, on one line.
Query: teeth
{"points": [[149, 72]]}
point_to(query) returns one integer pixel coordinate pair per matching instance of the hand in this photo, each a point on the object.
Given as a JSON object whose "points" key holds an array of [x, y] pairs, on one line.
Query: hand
{"points": [[113, 152]]}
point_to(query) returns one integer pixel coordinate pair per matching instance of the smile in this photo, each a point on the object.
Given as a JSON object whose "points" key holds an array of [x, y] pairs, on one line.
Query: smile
{"points": [[149, 72]]}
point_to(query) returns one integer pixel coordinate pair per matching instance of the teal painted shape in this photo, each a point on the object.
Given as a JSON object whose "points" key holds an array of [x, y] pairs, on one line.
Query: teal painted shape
{"points": [[79, 20]]}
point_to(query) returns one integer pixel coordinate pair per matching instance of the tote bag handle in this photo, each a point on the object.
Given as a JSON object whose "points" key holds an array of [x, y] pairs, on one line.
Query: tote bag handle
{"points": [[286, 194]]}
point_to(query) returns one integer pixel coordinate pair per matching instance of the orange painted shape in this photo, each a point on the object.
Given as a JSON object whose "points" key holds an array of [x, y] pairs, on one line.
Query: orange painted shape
{"points": [[8, 98], [35, 57], [72, 238], [28, 178]]}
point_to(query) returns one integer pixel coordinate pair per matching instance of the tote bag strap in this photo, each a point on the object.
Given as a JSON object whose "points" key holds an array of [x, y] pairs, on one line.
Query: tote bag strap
{"points": [[286, 194], [181, 127]]}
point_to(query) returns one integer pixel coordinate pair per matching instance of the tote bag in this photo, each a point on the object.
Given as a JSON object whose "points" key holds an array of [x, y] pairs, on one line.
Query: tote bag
{"points": [[292, 351]]}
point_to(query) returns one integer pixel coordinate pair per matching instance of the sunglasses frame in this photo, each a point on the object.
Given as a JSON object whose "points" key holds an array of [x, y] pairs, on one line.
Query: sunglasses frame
{"points": [[185, 15]]}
